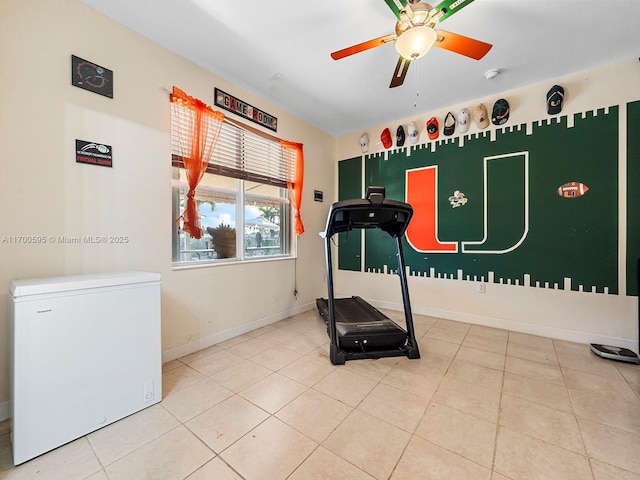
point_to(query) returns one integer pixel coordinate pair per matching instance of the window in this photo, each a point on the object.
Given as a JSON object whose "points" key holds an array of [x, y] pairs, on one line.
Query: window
{"points": [[223, 204], [242, 199]]}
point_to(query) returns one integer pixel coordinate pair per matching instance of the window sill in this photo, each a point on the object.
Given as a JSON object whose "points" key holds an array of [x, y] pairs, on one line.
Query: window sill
{"points": [[230, 261]]}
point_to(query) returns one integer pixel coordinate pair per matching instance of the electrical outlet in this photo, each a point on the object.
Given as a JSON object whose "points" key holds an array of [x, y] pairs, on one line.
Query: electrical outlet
{"points": [[482, 287]]}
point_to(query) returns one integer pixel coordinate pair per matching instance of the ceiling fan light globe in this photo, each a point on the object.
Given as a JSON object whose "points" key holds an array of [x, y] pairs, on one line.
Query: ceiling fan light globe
{"points": [[415, 42]]}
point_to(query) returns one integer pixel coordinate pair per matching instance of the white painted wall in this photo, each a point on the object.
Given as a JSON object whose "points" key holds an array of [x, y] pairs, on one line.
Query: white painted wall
{"points": [[45, 192], [582, 317]]}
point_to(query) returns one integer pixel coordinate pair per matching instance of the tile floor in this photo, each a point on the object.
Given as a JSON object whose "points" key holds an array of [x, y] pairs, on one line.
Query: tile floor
{"points": [[481, 403]]}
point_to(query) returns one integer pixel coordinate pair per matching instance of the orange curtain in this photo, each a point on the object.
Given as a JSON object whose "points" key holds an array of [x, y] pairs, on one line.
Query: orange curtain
{"points": [[198, 127], [294, 184]]}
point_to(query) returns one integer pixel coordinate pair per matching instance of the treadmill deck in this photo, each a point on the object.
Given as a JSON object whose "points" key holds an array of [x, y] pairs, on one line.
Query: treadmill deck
{"points": [[362, 327]]}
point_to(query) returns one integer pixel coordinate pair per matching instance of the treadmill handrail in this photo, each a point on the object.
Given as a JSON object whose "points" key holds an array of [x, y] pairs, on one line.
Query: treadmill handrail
{"points": [[390, 216]]}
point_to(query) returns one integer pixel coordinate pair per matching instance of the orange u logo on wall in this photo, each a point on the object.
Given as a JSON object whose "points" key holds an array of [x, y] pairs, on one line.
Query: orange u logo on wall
{"points": [[422, 195], [503, 230]]}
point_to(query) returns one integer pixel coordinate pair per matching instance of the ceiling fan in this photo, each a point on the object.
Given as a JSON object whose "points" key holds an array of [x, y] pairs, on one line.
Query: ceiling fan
{"points": [[415, 35]]}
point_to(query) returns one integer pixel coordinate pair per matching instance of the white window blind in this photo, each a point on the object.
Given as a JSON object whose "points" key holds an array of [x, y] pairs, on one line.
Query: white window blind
{"points": [[240, 153]]}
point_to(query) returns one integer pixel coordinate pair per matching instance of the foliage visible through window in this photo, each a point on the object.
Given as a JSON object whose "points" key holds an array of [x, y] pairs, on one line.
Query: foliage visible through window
{"points": [[245, 212]]}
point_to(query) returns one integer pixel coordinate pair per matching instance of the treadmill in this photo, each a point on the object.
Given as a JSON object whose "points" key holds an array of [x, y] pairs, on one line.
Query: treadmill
{"points": [[358, 330]]}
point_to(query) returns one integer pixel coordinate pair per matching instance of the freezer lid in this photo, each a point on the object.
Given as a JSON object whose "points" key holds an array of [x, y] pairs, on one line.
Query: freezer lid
{"points": [[39, 286]]}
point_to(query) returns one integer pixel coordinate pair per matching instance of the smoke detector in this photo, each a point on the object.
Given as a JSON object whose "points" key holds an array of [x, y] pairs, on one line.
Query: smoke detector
{"points": [[491, 74]]}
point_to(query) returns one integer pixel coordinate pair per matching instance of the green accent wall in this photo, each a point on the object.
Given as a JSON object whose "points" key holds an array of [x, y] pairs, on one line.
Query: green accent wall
{"points": [[349, 186], [544, 240]]}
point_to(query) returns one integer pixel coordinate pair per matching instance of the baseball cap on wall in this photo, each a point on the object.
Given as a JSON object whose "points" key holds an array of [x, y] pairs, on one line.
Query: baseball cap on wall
{"points": [[464, 118], [449, 124], [555, 97], [364, 142], [400, 136], [500, 113], [385, 137], [414, 133], [432, 128], [480, 116]]}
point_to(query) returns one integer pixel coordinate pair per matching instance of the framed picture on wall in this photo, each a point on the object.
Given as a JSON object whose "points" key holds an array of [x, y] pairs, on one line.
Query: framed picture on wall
{"points": [[93, 153], [92, 77]]}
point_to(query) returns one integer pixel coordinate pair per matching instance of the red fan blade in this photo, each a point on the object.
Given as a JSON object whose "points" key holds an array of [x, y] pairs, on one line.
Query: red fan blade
{"points": [[463, 45], [361, 47], [400, 72]]}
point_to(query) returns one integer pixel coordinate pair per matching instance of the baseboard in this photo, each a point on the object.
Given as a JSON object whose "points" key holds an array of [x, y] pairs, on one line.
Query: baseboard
{"points": [[5, 411], [514, 326], [204, 342]]}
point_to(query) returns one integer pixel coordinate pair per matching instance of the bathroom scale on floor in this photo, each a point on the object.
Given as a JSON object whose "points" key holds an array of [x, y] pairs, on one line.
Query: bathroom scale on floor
{"points": [[619, 353], [615, 353]]}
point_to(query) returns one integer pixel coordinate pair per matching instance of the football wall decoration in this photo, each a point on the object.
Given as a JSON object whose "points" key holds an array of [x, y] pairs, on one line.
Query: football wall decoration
{"points": [[545, 211], [93, 153], [572, 190]]}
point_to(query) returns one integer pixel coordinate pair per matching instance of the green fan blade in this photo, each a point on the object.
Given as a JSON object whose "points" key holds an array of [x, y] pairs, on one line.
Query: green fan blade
{"points": [[449, 7], [396, 6]]}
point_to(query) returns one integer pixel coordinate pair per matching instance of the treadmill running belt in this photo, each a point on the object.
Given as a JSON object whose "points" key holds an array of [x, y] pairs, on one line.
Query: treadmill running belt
{"points": [[362, 327], [356, 310]]}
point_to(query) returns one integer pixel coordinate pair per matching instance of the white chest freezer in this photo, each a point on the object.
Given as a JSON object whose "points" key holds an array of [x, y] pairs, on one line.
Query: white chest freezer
{"points": [[85, 352]]}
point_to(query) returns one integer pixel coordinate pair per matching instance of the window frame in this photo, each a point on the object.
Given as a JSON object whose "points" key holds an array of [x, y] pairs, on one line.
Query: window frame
{"points": [[288, 237]]}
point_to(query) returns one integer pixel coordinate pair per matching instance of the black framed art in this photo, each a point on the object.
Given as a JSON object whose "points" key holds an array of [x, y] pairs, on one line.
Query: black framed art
{"points": [[93, 153], [92, 77]]}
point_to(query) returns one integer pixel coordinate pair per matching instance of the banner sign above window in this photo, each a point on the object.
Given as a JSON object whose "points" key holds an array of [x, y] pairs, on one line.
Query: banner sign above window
{"points": [[94, 153], [237, 106]]}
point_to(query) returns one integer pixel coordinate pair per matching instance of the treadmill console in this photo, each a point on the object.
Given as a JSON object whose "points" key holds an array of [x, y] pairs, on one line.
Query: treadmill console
{"points": [[375, 211]]}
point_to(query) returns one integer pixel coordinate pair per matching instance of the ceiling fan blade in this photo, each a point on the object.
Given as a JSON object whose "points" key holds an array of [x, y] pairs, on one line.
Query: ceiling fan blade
{"points": [[397, 6], [400, 72], [466, 46], [446, 8], [361, 47]]}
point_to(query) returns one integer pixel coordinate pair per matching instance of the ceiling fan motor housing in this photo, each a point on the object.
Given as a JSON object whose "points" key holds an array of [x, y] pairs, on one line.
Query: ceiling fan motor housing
{"points": [[413, 16]]}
